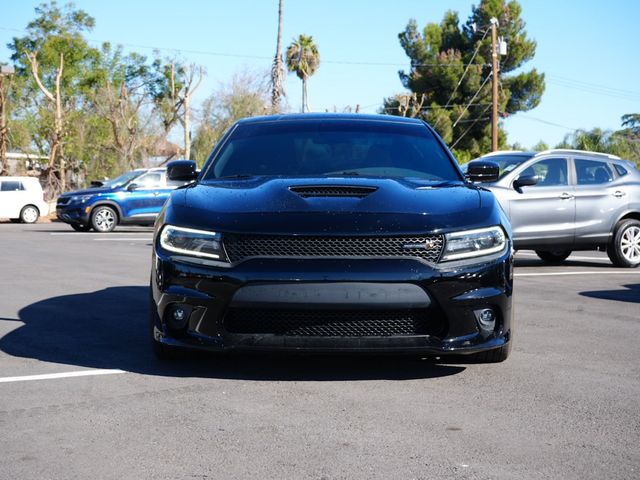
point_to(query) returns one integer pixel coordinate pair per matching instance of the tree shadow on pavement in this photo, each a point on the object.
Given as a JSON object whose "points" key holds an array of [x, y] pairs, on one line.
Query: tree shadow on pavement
{"points": [[629, 293], [109, 329]]}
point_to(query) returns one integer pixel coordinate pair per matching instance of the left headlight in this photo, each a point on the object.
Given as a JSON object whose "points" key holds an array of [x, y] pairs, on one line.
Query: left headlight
{"points": [[474, 243], [188, 241], [80, 198]]}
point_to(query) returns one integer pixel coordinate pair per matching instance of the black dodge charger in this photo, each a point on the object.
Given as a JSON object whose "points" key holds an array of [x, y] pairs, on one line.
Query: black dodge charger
{"points": [[332, 233]]}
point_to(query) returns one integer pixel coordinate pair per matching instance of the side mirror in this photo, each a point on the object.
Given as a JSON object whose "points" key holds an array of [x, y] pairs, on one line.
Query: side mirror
{"points": [[132, 186], [525, 181], [182, 170], [483, 171]]}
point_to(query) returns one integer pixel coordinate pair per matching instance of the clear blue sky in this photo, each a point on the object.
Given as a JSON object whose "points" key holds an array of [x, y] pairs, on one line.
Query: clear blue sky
{"points": [[587, 49]]}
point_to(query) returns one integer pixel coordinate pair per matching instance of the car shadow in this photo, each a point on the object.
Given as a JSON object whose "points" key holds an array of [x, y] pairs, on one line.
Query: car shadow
{"points": [[629, 293], [108, 329]]}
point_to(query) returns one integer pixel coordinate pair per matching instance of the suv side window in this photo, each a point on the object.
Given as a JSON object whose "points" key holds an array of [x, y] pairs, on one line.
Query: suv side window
{"points": [[620, 169], [149, 180], [593, 172], [11, 186], [552, 172]]}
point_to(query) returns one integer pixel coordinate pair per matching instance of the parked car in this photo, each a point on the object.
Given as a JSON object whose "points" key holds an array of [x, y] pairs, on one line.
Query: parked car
{"points": [[135, 197], [559, 201], [22, 199], [330, 233]]}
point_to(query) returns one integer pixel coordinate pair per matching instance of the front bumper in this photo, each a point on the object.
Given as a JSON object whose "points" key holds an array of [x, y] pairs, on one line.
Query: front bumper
{"points": [[73, 213], [450, 296]]}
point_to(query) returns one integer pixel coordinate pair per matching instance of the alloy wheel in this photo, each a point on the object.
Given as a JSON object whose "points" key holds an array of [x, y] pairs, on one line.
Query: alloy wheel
{"points": [[104, 220], [630, 244]]}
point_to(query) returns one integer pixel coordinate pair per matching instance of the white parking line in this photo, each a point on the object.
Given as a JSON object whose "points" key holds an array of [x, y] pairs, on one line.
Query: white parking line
{"points": [[572, 257], [121, 239], [51, 376], [553, 274], [82, 234]]}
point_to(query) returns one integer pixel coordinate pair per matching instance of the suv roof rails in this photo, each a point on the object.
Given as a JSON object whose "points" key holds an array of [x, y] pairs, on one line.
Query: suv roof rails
{"points": [[580, 152], [502, 152]]}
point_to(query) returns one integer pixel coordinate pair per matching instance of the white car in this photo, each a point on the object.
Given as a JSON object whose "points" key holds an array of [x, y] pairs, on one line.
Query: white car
{"points": [[22, 199]]}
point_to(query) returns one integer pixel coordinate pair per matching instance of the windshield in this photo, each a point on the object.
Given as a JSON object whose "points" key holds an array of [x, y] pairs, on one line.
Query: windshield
{"points": [[508, 163], [122, 179], [333, 147]]}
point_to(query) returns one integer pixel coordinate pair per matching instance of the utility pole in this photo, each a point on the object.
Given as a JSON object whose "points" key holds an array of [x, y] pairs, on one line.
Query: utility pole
{"points": [[494, 82], [5, 71]]}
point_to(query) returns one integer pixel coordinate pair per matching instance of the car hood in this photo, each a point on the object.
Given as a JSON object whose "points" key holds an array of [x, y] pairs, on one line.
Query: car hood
{"points": [[268, 205], [89, 191]]}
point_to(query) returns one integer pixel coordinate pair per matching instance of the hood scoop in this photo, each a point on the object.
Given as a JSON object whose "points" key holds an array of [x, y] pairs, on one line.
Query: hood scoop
{"points": [[316, 191]]}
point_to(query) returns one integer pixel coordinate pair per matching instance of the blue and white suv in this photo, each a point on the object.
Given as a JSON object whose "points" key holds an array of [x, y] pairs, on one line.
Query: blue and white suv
{"points": [[135, 197]]}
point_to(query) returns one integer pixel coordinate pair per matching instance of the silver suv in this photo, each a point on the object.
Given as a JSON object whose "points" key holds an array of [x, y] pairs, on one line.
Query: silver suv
{"points": [[564, 200]]}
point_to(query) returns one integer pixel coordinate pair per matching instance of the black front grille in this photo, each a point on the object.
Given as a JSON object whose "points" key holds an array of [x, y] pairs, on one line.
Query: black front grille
{"points": [[63, 200], [240, 247], [333, 191], [332, 323]]}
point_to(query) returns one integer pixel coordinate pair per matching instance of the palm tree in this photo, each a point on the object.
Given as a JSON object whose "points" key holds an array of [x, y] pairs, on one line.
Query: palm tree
{"points": [[303, 58], [277, 69]]}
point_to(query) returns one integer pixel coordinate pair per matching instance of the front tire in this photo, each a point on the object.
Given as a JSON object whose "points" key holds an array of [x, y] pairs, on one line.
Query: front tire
{"points": [[104, 219], [29, 214], [555, 257], [624, 249]]}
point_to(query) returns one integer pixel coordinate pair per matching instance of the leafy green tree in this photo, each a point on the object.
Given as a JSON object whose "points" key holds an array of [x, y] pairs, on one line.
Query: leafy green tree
{"points": [[618, 143], [55, 56], [450, 74], [172, 88], [121, 102], [303, 58], [540, 146], [632, 122], [246, 95]]}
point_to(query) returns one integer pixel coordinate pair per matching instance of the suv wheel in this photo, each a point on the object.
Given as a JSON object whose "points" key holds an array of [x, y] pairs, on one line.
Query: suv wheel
{"points": [[555, 257], [624, 250], [29, 214], [104, 219]]}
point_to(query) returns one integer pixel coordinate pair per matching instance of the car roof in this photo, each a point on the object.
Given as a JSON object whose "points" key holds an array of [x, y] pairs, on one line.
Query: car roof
{"points": [[356, 117], [552, 151], [22, 179]]}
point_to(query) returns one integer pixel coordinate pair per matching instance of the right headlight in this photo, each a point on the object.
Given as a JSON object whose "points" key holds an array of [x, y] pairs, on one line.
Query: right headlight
{"points": [[474, 243], [192, 242]]}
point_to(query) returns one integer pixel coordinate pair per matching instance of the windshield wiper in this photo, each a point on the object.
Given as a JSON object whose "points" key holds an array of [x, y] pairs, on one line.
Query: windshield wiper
{"points": [[346, 172], [238, 176]]}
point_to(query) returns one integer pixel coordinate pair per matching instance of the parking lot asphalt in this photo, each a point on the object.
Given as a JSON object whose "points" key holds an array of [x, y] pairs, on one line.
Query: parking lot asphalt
{"points": [[81, 395]]}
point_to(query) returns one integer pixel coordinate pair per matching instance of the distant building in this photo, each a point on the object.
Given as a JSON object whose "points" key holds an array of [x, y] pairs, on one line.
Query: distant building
{"points": [[26, 163]]}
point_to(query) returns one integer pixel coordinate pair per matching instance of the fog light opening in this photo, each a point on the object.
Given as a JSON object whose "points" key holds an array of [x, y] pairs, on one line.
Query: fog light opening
{"points": [[177, 316], [486, 319]]}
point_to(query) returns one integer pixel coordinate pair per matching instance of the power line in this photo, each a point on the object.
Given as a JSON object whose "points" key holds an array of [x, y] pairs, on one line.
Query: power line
{"points": [[434, 106], [465, 70], [472, 99], [595, 91], [471, 126], [594, 85]]}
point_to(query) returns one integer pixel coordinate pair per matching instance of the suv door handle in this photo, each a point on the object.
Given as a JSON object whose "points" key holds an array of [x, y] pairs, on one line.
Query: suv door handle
{"points": [[619, 194], [565, 196]]}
